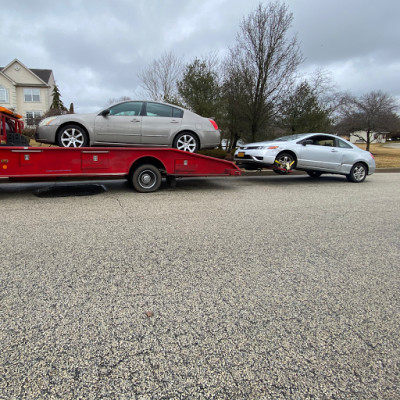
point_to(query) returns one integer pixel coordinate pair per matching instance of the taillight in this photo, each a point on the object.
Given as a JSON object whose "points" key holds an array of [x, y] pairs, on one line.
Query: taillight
{"points": [[372, 156], [214, 124]]}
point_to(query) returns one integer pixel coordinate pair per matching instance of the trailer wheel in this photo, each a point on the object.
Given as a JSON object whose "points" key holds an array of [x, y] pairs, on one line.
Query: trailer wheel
{"points": [[146, 178], [72, 136]]}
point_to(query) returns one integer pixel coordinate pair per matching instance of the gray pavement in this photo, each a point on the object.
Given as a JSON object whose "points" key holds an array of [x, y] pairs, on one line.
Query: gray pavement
{"points": [[256, 287]]}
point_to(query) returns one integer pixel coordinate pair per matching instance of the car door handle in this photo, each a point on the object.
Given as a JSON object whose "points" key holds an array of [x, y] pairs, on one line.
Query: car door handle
{"points": [[334, 151], [135, 120], [174, 121]]}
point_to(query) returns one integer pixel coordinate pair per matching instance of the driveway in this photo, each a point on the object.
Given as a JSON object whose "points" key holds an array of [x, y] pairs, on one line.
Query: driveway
{"points": [[265, 287]]}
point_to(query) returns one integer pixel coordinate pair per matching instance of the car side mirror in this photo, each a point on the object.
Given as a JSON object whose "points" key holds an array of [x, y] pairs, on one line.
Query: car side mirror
{"points": [[105, 113], [308, 141]]}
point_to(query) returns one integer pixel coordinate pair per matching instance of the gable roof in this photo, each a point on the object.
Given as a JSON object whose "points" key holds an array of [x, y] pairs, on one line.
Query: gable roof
{"points": [[43, 74]]}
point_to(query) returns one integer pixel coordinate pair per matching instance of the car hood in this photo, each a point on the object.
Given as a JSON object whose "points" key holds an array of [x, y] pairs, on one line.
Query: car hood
{"points": [[75, 117], [266, 143]]}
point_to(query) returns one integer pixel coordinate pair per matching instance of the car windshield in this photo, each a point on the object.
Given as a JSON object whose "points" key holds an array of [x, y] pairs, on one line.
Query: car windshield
{"points": [[290, 137]]}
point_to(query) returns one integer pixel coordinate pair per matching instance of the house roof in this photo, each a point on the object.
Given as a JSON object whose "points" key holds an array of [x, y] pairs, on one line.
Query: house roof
{"points": [[43, 74]]}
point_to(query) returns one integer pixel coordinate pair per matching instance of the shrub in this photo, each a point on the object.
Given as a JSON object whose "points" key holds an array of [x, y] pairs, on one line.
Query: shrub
{"points": [[216, 153], [29, 132]]}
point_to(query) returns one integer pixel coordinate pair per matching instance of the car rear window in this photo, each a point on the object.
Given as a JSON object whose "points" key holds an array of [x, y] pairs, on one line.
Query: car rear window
{"points": [[163, 110]]}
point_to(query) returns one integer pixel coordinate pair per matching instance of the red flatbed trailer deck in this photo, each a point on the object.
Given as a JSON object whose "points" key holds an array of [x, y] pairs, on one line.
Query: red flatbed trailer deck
{"points": [[144, 167]]}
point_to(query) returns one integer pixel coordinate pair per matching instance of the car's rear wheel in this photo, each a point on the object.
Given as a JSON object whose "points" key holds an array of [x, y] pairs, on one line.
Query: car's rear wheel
{"points": [[358, 173], [72, 136], [314, 174], [284, 162], [146, 178], [186, 141]]}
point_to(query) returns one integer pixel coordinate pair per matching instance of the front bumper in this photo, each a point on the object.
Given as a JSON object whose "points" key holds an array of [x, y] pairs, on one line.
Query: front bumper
{"points": [[46, 134], [243, 157]]}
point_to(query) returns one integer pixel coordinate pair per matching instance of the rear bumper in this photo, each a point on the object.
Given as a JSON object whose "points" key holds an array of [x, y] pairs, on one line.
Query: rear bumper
{"points": [[210, 139]]}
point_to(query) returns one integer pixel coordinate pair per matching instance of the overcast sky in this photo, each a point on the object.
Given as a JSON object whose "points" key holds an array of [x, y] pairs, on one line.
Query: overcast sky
{"points": [[96, 48]]}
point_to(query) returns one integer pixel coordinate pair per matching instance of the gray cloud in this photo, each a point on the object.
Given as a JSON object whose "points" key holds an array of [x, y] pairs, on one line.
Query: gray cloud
{"points": [[96, 48]]}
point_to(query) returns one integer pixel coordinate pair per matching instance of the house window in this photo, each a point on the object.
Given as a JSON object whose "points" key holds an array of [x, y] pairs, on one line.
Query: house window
{"points": [[3, 95], [31, 117], [32, 95]]}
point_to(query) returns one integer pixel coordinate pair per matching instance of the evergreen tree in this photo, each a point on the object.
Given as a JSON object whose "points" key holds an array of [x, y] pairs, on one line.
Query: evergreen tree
{"points": [[199, 89], [57, 103], [301, 112]]}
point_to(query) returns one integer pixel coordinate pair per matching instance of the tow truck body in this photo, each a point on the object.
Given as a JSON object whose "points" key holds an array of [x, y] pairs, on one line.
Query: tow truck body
{"points": [[144, 167]]}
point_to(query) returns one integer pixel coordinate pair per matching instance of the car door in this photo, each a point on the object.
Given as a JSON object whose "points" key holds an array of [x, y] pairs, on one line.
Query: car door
{"points": [[121, 123], [322, 154], [160, 123]]}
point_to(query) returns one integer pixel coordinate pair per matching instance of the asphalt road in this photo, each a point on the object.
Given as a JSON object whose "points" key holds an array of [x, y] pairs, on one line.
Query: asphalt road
{"points": [[262, 287]]}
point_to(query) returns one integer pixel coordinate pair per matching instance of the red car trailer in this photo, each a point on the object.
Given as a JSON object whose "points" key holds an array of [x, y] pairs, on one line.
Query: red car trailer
{"points": [[144, 167]]}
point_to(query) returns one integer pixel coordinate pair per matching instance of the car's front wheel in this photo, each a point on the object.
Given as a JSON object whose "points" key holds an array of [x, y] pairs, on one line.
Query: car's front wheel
{"points": [[358, 173], [186, 141], [72, 136], [284, 162]]}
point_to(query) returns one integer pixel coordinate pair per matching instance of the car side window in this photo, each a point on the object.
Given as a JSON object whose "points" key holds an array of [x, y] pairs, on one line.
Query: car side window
{"points": [[323, 141], [343, 144], [177, 113], [130, 108], [158, 110]]}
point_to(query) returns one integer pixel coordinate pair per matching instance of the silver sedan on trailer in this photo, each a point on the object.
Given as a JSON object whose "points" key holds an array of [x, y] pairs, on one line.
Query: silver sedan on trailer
{"points": [[315, 153], [139, 123]]}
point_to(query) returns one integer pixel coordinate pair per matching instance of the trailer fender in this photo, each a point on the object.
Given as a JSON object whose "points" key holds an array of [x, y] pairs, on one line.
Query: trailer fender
{"points": [[147, 160]]}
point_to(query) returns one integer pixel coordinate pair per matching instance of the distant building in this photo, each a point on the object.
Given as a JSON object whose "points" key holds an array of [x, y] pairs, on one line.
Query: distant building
{"points": [[28, 91], [361, 137]]}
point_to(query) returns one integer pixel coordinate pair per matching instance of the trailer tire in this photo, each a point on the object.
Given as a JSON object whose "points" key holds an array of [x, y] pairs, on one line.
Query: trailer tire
{"points": [[146, 178]]}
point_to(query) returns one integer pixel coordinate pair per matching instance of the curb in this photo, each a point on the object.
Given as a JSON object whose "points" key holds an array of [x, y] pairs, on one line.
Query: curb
{"points": [[267, 172]]}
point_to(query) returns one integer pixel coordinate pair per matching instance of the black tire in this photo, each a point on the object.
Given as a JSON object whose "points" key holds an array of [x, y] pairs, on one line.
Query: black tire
{"points": [[186, 141], [146, 178], [314, 174], [72, 136], [16, 139], [358, 173], [282, 160]]}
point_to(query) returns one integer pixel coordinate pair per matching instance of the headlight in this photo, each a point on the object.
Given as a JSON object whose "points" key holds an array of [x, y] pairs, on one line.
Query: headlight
{"points": [[47, 121]]}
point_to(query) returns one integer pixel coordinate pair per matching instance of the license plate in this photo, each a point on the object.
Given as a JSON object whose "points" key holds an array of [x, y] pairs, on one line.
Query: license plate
{"points": [[241, 154]]}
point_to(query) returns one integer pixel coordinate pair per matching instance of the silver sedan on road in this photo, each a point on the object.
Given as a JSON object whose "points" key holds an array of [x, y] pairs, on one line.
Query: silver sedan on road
{"points": [[315, 153], [142, 123]]}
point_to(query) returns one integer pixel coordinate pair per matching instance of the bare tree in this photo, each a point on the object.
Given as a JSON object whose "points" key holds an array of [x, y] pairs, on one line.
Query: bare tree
{"points": [[267, 60], [113, 101], [159, 78], [373, 113]]}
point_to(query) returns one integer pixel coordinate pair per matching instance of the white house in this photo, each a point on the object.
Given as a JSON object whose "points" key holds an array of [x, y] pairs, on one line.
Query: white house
{"points": [[28, 91], [361, 137]]}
